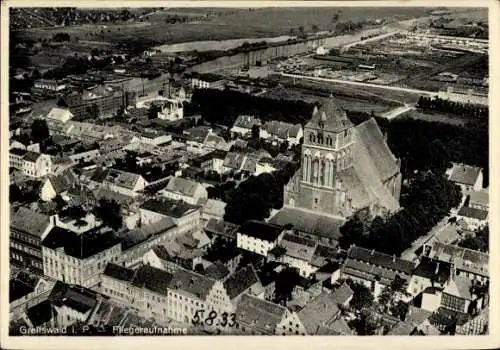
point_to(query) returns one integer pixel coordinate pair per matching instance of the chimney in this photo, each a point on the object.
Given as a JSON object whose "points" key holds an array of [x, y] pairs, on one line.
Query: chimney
{"points": [[437, 268]]}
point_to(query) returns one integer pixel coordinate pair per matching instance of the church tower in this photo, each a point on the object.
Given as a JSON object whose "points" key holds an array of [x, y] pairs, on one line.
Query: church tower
{"points": [[327, 147]]}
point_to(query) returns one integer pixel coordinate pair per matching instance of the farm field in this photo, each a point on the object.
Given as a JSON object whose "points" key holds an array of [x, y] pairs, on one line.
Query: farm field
{"points": [[227, 24]]}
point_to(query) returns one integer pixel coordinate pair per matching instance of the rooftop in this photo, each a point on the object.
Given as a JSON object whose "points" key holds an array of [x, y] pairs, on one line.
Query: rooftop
{"points": [[330, 117], [29, 221], [191, 283], [379, 259], [465, 174], [258, 313], [184, 186], [169, 207], [77, 298], [240, 281], [81, 246], [473, 213], [261, 230], [321, 311], [41, 313]]}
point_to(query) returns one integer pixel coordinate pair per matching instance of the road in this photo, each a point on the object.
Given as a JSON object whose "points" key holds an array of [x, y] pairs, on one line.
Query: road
{"points": [[355, 83], [375, 38], [409, 254], [397, 112]]}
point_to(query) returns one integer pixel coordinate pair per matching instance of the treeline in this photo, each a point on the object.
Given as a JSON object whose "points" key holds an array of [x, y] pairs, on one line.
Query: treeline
{"points": [[223, 107], [257, 196], [452, 107], [425, 202], [479, 241]]}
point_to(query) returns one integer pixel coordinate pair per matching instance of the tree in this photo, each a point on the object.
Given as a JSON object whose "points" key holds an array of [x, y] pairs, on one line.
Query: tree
{"points": [[400, 310], [15, 194], [109, 211], [365, 324], [199, 268], [362, 297], [39, 131]]}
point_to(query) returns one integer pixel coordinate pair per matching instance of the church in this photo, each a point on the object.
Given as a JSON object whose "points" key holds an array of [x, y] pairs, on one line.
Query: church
{"points": [[345, 168]]}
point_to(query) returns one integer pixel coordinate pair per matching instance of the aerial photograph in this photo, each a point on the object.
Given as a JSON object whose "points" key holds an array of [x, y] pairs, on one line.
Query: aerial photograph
{"points": [[287, 171]]}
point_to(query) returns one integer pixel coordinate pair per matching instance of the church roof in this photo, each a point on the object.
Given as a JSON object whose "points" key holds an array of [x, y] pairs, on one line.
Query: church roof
{"points": [[330, 117]]}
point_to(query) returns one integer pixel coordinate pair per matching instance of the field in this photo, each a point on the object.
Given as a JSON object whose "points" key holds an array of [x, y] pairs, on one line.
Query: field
{"points": [[435, 117], [225, 24]]}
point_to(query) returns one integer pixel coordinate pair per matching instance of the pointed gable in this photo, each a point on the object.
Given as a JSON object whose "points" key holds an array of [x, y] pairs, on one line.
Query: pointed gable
{"points": [[330, 117]]}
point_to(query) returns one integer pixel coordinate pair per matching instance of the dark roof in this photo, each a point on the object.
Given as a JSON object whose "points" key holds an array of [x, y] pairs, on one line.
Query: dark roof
{"points": [[427, 269], [217, 271], [342, 293], [207, 77], [261, 230], [77, 298], [474, 213], [240, 281], [259, 314], [383, 260], [81, 246], [119, 272], [31, 156], [18, 151], [18, 289], [41, 313], [221, 227], [168, 207], [141, 234], [151, 278]]}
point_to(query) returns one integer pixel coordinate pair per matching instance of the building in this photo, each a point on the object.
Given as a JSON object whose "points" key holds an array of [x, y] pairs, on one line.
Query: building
{"points": [[258, 237], [49, 87], [345, 168], [213, 209], [31, 163], [79, 258], [196, 139], [320, 316], [244, 124], [281, 132], [145, 289], [27, 230], [457, 295], [99, 102], [472, 96], [469, 178], [428, 273], [120, 181], [258, 317], [171, 110], [243, 281], [479, 199], [375, 270], [73, 304], [189, 191], [186, 216], [207, 81], [464, 262], [62, 115], [56, 185], [472, 218]]}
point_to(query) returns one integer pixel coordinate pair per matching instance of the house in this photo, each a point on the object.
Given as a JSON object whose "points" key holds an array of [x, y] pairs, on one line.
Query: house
{"points": [[457, 294], [214, 142], [62, 115], [171, 110], [73, 304], [138, 241], [428, 273], [173, 254], [258, 237], [316, 318], [243, 281], [420, 319], [206, 81], [120, 181], [257, 316], [79, 258], [213, 209], [49, 87], [41, 316], [244, 124], [33, 164], [213, 161], [373, 269], [279, 132], [56, 185], [297, 252], [27, 231], [467, 177], [343, 295], [479, 199], [196, 137], [464, 262], [472, 218], [221, 229], [186, 216], [234, 161], [144, 289], [189, 191]]}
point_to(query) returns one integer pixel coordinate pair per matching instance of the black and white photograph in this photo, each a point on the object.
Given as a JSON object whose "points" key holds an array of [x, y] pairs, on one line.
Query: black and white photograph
{"points": [[246, 170]]}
